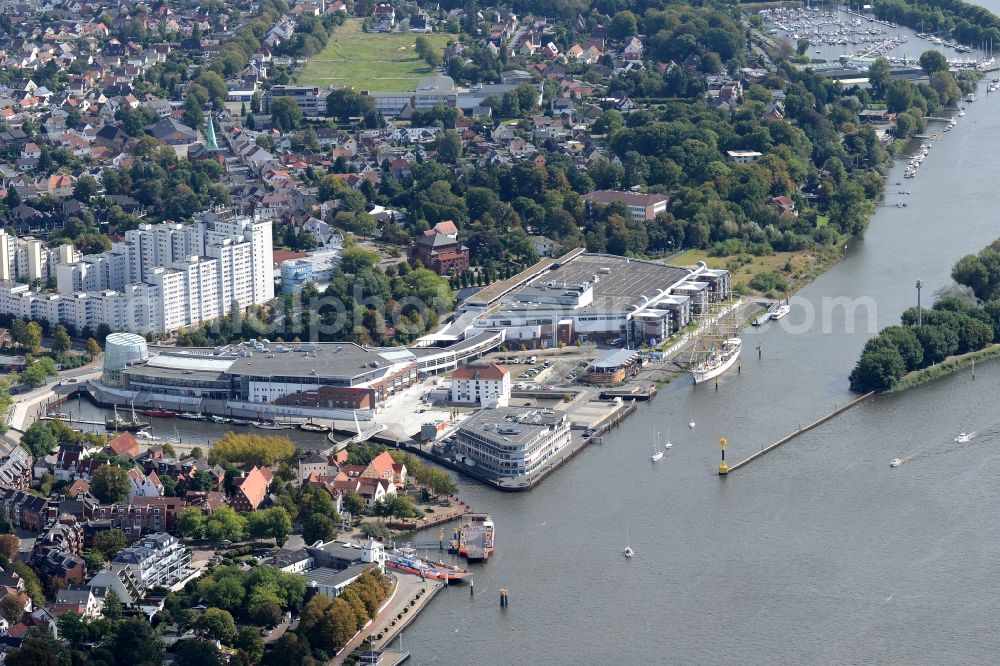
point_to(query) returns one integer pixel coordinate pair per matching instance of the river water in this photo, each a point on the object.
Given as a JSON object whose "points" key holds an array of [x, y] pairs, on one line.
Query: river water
{"points": [[816, 553]]}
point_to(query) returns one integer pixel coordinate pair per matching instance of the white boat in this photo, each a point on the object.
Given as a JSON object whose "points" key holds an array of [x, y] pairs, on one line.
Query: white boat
{"points": [[781, 311], [718, 362], [896, 462], [667, 445], [628, 549], [657, 451], [691, 425], [963, 437], [147, 436]]}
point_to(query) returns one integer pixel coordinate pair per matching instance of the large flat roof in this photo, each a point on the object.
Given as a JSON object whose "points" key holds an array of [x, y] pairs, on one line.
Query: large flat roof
{"points": [[506, 426], [621, 282]]}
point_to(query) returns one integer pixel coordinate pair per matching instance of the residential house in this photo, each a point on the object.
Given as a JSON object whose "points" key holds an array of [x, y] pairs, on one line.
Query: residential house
{"points": [[783, 205], [15, 469], [143, 485], [252, 492]]}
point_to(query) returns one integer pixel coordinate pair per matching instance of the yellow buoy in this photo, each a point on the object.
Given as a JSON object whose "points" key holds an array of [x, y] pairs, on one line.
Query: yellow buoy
{"points": [[723, 467]]}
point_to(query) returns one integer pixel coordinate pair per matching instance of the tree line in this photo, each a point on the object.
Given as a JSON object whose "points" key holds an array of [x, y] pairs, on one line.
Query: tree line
{"points": [[956, 324]]}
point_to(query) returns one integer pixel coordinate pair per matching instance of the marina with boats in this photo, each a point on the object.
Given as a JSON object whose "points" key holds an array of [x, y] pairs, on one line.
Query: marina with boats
{"points": [[866, 37]]}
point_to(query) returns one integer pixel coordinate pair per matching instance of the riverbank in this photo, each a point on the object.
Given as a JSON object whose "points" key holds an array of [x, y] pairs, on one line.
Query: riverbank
{"points": [[949, 366]]}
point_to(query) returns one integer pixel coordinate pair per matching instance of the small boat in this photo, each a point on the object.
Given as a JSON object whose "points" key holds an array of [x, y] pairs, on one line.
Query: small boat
{"points": [[314, 427], [268, 425], [781, 311], [657, 451], [691, 425], [896, 462], [59, 415], [147, 436], [963, 437], [240, 422], [220, 419], [160, 413], [192, 416], [628, 549]]}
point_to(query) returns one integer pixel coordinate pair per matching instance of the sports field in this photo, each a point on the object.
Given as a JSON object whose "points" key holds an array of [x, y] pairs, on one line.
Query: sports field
{"points": [[369, 61]]}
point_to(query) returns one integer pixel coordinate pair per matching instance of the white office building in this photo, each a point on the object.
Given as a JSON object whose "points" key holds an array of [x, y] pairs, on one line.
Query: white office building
{"points": [[508, 441], [487, 385]]}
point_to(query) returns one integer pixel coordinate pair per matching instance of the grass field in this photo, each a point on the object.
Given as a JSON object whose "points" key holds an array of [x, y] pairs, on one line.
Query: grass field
{"points": [[805, 265], [368, 61]]}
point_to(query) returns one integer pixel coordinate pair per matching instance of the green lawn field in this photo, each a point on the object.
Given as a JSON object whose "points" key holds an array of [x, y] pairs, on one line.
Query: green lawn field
{"points": [[368, 61]]}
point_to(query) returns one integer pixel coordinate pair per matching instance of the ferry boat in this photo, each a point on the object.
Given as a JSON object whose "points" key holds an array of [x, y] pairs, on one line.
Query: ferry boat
{"points": [[160, 413], [192, 416], [476, 538], [405, 560], [718, 361]]}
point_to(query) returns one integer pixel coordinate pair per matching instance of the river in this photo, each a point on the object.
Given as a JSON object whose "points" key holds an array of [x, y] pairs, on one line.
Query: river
{"points": [[817, 553]]}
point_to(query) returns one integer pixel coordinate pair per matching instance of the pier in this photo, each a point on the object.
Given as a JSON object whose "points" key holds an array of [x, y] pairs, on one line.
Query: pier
{"points": [[784, 440]]}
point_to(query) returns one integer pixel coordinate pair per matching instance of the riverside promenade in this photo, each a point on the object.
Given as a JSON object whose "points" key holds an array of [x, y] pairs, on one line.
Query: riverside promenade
{"points": [[387, 623]]}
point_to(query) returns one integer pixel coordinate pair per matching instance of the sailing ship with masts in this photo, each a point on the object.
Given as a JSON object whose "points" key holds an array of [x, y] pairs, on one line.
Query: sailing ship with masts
{"points": [[716, 350]]}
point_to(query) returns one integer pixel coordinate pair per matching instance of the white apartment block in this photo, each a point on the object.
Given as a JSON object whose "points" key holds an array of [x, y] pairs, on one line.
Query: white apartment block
{"points": [[30, 259], [159, 279]]}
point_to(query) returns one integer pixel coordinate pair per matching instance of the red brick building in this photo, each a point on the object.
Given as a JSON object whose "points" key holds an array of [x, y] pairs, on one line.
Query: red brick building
{"points": [[440, 253], [253, 491]]}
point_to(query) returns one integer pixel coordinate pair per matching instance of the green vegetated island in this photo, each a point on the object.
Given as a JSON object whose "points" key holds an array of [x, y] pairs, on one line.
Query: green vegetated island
{"points": [[959, 329], [353, 58]]}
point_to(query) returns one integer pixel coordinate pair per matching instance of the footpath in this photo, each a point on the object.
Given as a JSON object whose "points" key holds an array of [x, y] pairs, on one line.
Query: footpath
{"points": [[387, 622]]}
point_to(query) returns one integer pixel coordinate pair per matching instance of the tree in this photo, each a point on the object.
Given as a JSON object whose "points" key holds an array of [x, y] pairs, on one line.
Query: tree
{"points": [[29, 335], [110, 542], [346, 103], [274, 522], [10, 546], [226, 525], [60, 340], [318, 527], [623, 25], [42, 650], [193, 115], [247, 449], [249, 641], [39, 440], [218, 624], [135, 642], [354, 259], [32, 585], [449, 147], [112, 607], [93, 348], [801, 46], [878, 370], [354, 503], [286, 114], [84, 190], [933, 61], [109, 484], [197, 652], [11, 609], [191, 523]]}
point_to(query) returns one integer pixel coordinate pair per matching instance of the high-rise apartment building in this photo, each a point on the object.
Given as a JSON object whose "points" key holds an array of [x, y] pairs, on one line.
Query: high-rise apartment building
{"points": [[158, 279]]}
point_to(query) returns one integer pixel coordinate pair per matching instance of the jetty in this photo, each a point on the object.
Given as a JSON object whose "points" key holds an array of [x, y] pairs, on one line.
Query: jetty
{"points": [[784, 440]]}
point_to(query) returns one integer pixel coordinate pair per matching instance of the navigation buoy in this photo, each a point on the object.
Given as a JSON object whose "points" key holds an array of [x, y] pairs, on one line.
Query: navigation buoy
{"points": [[723, 467]]}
